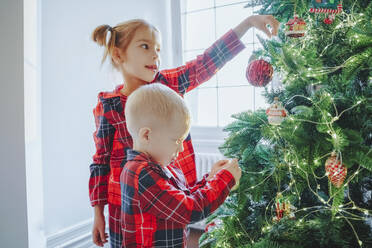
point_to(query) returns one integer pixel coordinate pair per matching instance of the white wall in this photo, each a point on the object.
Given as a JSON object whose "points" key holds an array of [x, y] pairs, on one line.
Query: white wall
{"points": [[33, 127], [13, 207], [62, 76], [70, 81]]}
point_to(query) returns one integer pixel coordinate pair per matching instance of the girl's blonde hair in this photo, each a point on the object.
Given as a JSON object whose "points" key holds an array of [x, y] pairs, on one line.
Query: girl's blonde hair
{"points": [[121, 35]]}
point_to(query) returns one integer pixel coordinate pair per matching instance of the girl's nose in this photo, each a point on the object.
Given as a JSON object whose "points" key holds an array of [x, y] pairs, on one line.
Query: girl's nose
{"points": [[155, 54]]}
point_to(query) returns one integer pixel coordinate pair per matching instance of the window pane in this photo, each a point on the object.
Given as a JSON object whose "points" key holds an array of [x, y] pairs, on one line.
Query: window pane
{"points": [[192, 55], [260, 101], [225, 2], [233, 73], [198, 4], [191, 99], [207, 107], [232, 100], [200, 30], [230, 16]]}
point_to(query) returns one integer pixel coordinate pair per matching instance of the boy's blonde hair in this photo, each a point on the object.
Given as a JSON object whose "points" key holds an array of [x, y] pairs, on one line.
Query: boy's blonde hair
{"points": [[155, 102], [121, 35]]}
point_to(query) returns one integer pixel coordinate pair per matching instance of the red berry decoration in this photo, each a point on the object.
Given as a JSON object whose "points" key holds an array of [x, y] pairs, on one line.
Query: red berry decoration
{"points": [[336, 171], [259, 73]]}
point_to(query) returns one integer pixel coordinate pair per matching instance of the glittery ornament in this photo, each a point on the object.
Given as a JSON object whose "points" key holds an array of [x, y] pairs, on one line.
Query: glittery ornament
{"points": [[259, 73], [296, 27], [336, 171], [276, 112]]}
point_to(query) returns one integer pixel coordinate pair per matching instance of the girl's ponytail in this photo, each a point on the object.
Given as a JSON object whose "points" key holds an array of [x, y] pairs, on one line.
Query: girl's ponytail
{"points": [[99, 36]]}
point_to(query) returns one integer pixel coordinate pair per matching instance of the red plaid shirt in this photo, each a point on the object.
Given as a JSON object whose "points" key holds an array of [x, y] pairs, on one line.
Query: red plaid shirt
{"points": [[112, 138], [157, 204]]}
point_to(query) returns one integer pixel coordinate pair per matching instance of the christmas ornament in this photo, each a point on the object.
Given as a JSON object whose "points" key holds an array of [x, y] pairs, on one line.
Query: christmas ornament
{"points": [[259, 73], [330, 7], [289, 210], [283, 208], [276, 112], [279, 207], [295, 27], [336, 171]]}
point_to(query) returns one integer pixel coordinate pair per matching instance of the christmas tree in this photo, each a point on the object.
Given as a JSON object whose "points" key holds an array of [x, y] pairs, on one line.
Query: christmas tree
{"points": [[307, 179]]}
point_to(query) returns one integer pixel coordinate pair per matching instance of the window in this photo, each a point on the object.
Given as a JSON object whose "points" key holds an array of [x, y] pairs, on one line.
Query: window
{"points": [[228, 92]]}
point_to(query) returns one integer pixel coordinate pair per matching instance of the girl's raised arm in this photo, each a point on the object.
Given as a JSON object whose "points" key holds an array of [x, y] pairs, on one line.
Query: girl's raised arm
{"points": [[195, 72]]}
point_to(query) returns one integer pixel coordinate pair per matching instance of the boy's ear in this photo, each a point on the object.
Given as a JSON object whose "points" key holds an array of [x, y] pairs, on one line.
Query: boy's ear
{"points": [[144, 134]]}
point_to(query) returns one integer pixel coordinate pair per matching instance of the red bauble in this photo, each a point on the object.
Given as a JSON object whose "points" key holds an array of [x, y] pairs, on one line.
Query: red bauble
{"points": [[336, 171], [259, 73]]}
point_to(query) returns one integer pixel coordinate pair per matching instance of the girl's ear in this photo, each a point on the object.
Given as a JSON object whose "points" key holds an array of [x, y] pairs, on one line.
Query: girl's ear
{"points": [[117, 56]]}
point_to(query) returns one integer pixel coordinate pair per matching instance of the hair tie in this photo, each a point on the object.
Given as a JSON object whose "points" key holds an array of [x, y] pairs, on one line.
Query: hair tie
{"points": [[110, 28]]}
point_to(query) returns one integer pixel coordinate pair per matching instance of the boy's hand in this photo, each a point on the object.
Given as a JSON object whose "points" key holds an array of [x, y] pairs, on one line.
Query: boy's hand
{"points": [[98, 232], [216, 167], [260, 22], [233, 167]]}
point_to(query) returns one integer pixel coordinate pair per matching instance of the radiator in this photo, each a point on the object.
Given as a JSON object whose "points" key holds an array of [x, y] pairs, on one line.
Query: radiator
{"points": [[204, 162]]}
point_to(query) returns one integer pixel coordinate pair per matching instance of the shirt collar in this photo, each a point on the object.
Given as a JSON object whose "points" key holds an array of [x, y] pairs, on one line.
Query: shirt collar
{"points": [[133, 155]]}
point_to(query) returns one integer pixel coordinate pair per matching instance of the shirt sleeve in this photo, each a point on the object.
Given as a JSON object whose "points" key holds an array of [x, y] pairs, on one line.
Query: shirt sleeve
{"points": [[100, 168], [199, 184], [195, 72], [159, 197]]}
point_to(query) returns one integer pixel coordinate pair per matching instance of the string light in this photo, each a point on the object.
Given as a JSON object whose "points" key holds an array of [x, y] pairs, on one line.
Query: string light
{"points": [[292, 162]]}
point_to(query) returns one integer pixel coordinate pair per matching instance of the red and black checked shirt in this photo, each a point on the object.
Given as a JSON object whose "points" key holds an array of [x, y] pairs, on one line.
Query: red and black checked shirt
{"points": [[112, 138], [157, 204]]}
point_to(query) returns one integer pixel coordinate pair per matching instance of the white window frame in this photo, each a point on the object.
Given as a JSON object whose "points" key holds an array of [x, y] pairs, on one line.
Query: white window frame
{"points": [[205, 139]]}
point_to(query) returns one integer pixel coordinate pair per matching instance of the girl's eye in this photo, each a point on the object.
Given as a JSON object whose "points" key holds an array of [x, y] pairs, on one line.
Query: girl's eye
{"points": [[145, 46]]}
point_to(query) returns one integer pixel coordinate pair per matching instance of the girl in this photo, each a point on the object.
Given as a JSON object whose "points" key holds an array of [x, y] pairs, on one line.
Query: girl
{"points": [[133, 48]]}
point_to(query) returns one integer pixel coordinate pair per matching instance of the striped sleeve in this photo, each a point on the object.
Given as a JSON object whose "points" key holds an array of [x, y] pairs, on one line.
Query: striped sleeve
{"points": [[160, 198], [195, 72], [199, 184], [100, 168]]}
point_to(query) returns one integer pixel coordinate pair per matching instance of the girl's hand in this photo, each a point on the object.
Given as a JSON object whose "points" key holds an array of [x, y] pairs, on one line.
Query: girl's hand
{"points": [[98, 232], [260, 22], [216, 167]]}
